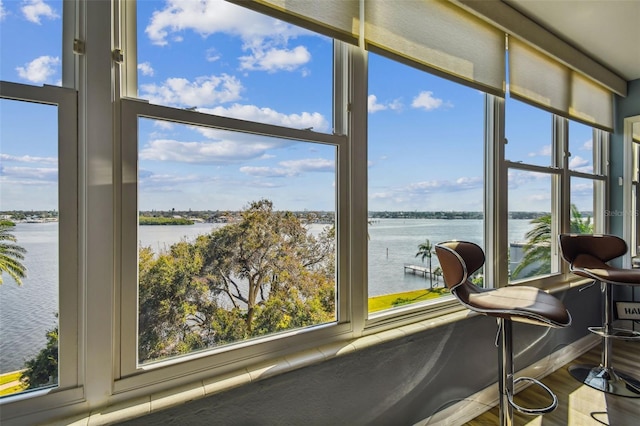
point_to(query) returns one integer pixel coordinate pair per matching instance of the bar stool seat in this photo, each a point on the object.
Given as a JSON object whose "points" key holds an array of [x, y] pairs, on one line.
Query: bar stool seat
{"points": [[587, 255], [459, 260]]}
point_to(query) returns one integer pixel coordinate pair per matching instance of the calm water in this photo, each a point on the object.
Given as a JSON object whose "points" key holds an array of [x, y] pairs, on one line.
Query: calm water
{"points": [[27, 312]]}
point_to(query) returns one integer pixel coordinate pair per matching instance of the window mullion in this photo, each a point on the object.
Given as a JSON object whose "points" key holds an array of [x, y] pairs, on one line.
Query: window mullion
{"points": [[496, 190], [357, 133]]}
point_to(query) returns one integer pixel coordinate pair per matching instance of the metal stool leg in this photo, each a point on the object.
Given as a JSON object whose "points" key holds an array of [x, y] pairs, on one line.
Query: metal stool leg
{"points": [[506, 381], [505, 359], [604, 377]]}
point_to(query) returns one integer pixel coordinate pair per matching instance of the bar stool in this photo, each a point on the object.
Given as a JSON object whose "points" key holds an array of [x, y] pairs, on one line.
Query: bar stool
{"points": [[587, 255], [459, 260]]}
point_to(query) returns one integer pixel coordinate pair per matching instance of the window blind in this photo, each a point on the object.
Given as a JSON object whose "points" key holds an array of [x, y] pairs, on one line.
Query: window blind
{"points": [[338, 19], [517, 25], [536, 78], [440, 37]]}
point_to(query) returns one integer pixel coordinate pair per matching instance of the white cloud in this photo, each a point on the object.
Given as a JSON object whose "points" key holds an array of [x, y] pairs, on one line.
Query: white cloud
{"points": [[265, 171], [310, 165], [521, 178], [536, 198], [204, 91], [28, 159], [29, 175], [218, 152], [374, 106], [545, 151], [33, 10], [3, 11], [145, 68], [171, 182], [212, 55], [274, 59], [263, 37], [459, 184], [582, 189], [433, 194], [587, 146], [212, 16], [303, 120], [426, 101], [39, 70], [580, 164]]}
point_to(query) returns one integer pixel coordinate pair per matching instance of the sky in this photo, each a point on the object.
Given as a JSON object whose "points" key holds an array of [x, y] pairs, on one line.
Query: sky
{"points": [[425, 133]]}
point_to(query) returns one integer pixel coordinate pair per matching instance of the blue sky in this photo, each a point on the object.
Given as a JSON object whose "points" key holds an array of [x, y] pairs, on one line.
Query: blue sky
{"points": [[425, 133]]}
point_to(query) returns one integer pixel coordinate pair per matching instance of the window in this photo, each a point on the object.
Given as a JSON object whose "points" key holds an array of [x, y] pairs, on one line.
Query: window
{"points": [[425, 179], [247, 184], [37, 57], [241, 64], [232, 230], [586, 146], [538, 173], [39, 313], [531, 187]]}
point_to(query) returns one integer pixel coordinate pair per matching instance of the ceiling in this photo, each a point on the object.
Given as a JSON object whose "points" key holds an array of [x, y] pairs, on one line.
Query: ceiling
{"points": [[606, 30]]}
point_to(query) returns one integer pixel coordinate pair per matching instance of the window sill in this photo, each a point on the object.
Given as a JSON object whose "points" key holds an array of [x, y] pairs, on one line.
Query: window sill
{"points": [[174, 396], [380, 330]]}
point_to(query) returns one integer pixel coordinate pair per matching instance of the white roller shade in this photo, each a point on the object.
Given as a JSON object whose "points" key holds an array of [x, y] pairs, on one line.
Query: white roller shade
{"points": [[591, 103], [339, 19], [503, 16], [536, 78], [439, 36]]}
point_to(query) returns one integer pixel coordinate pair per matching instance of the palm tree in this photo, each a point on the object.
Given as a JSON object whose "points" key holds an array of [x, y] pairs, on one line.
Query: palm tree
{"points": [[11, 255], [537, 250], [425, 251], [438, 273]]}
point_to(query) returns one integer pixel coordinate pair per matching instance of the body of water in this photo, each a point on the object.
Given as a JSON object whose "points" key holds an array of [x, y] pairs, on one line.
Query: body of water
{"points": [[28, 311]]}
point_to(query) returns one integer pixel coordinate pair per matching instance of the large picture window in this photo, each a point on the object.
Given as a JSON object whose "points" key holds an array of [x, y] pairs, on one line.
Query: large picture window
{"points": [[425, 179], [237, 182], [251, 249]]}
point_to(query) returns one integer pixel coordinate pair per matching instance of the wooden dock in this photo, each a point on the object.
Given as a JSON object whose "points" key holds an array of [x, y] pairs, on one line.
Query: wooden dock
{"points": [[418, 270]]}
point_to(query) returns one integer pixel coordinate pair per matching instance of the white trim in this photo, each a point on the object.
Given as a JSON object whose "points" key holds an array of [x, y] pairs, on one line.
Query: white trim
{"points": [[68, 288], [476, 404], [628, 204]]}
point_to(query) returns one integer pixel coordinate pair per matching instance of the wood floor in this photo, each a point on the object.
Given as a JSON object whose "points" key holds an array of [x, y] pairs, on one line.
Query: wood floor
{"points": [[578, 404]]}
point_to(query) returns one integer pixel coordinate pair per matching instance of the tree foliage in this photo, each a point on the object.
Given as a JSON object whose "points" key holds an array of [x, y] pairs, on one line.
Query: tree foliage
{"points": [[42, 370], [11, 254], [425, 250], [263, 274], [537, 249]]}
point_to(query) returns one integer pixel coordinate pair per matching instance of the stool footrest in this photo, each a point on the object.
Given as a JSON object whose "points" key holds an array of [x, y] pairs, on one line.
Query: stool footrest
{"points": [[534, 411], [616, 333]]}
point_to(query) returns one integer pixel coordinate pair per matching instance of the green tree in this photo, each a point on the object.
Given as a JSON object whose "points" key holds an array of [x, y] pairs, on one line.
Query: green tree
{"points": [[263, 274], [537, 249], [11, 254], [425, 250], [437, 272], [43, 369], [270, 255]]}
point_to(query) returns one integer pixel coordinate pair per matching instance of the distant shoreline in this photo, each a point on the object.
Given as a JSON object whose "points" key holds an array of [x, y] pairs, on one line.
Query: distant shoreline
{"points": [[150, 220]]}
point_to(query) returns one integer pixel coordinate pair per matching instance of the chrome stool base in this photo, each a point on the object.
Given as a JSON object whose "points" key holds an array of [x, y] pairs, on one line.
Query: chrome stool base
{"points": [[606, 380]]}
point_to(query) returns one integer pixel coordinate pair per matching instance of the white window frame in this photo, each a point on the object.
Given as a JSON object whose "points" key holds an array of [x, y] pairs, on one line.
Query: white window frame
{"points": [[561, 195], [630, 189], [68, 387], [129, 374]]}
